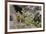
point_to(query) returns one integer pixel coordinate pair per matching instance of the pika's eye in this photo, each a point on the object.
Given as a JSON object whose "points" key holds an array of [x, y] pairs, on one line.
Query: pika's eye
{"points": [[11, 18]]}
